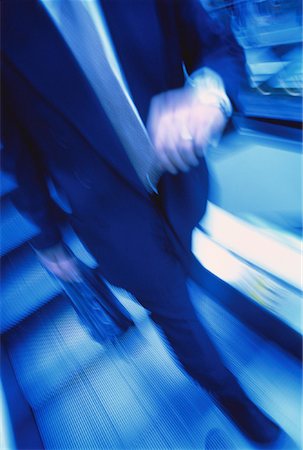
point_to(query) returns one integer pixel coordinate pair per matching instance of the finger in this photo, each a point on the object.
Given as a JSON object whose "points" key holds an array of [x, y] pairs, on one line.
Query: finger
{"points": [[166, 164], [176, 159], [185, 138], [165, 143], [197, 126], [55, 269], [207, 123], [160, 149], [187, 152], [200, 139], [62, 270], [179, 144], [206, 134], [216, 128], [70, 270], [170, 150]]}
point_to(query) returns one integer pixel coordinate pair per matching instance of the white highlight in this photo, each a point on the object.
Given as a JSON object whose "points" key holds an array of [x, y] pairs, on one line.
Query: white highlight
{"points": [[235, 250]]}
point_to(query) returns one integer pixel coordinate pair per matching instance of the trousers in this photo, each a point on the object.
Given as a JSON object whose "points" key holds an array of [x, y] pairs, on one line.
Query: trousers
{"points": [[143, 261]]}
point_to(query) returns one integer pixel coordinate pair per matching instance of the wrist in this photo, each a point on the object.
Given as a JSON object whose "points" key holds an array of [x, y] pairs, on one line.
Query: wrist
{"points": [[209, 90], [213, 99]]}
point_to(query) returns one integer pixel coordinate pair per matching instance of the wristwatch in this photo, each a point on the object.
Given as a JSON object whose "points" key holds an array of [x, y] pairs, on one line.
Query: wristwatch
{"points": [[210, 90]]}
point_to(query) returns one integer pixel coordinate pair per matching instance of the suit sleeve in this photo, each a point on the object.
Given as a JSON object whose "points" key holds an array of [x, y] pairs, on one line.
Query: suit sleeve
{"points": [[204, 44], [31, 198]]}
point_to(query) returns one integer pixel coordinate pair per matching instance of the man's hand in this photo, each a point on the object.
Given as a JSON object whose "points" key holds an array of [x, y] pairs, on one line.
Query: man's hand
{"points": [[60, 263], [181, 128]]}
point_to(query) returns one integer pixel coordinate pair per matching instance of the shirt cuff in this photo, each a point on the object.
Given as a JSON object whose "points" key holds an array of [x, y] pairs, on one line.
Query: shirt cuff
{"points": [[210, 89]]}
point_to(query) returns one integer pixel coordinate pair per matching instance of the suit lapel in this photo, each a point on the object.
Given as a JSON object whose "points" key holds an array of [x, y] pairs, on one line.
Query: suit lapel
{"points": [[35, 46]]}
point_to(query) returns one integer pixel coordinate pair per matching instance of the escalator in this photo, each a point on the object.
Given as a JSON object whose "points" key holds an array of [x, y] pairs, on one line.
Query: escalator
{"points": [[63, 390]]}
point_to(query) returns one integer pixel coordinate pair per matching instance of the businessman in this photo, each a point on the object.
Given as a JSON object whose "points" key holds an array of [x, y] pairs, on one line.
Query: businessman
{"points": [[116, 102]]}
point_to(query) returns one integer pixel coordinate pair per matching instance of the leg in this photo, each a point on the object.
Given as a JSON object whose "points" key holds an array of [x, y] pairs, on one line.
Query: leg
{"points": [[198, 355], [146, 266], [188, 338]]}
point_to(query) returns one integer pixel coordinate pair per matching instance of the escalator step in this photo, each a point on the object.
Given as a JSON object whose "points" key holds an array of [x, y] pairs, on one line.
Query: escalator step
{"points": [[8, 183], [86, 396], [132, 394], [26, 286], [15, 229]]}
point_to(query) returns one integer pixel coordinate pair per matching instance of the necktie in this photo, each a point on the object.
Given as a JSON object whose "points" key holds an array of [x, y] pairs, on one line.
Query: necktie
{"points": [[80, 33]]}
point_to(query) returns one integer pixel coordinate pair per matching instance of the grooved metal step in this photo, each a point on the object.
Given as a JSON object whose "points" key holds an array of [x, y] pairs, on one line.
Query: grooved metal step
{"points": [[15, 229], [133, 395], [25, 286], [7, 183]]}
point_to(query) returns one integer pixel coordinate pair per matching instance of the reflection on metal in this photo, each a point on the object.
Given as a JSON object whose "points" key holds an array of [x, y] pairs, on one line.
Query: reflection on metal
{"points": [[254, 245], [216, 439], [296, 90], [266, 22], [270, 31], [262, 91], [256, 264], [7, 441]]}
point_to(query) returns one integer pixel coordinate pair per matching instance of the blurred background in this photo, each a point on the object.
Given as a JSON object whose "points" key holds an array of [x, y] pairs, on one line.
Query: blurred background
{"points": [[61, 389]]}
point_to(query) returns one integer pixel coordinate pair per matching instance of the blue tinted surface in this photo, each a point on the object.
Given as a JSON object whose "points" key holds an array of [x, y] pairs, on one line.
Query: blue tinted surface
{"points": [[131, 394]]}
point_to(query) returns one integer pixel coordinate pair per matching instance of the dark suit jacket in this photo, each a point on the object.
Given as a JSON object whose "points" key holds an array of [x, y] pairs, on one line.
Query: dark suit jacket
{"points": [[58, 129]]}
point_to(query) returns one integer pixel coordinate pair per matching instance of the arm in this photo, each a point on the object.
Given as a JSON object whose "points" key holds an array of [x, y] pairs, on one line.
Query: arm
{"points": [[33, 200], [31, 197], [183, 123], [205, 44]]}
